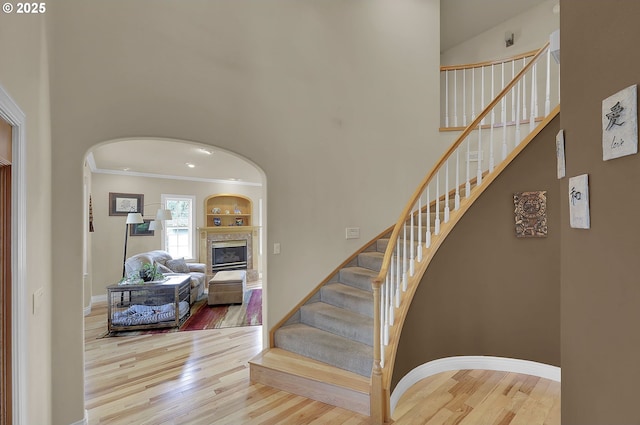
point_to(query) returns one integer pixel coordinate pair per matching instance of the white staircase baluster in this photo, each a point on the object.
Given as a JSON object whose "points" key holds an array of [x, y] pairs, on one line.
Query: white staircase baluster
{"points": [[513, 91], [412, 256], [390, 309], [464, 97], [532, 118], [446, 192], [385, 313], [446, 98], [479, 167], [419, 256], [427, 240], [517, 137], [455, 98], [547, 101], [467, 185], [437, 223], [473, 94], [493, 122], [482, 97], [504, 122], [524, 91], [398, 273], [457, 199], [404, 258]]}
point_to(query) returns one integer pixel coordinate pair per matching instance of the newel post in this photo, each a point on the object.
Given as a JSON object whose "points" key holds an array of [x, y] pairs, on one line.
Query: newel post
{"points": [[377, 403]]}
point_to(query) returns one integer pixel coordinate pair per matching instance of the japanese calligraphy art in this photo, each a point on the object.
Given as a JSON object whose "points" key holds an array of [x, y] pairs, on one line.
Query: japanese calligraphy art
{"points": [[579, 202], [531, 214], [560, 154], [620, 124]]}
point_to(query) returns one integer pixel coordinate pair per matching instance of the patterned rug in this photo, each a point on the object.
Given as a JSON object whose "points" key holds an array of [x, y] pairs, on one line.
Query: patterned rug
{"points": [[204, 316]]}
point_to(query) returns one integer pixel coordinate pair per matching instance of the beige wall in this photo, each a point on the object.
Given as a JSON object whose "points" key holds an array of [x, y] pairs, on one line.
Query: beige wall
{"points": [[487, 292], [336, 101], [108, 238], [24, 76], [600, 267], [531, 30]]}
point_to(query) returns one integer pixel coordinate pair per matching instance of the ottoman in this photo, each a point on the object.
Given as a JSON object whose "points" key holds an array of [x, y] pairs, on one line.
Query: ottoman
{"points": [[227, 287]]}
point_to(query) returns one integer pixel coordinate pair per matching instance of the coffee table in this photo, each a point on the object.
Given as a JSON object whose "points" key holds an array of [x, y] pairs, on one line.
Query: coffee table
{"points": [[149, 305]]}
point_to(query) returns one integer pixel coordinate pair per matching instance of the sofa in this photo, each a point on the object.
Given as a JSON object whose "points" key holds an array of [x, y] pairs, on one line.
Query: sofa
{"points": [[167, 264]]}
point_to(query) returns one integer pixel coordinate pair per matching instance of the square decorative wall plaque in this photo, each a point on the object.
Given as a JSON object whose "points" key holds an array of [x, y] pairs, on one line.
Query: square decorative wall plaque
{"points": [[620, 124], [531, 214]]}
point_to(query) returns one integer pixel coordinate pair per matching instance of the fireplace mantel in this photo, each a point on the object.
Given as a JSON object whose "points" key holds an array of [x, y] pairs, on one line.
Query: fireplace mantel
{"points": [[208, 235]]}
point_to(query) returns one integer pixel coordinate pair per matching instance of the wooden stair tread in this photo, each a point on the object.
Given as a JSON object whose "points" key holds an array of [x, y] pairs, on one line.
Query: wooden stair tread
{"points": [[292, 363]]}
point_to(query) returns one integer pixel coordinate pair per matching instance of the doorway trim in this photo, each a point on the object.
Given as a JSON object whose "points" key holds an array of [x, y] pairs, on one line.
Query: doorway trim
{"points": [[10, 112]]}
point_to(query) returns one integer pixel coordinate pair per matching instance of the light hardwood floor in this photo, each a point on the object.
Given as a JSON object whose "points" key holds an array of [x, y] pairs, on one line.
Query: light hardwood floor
{"points": [[202, 377]]}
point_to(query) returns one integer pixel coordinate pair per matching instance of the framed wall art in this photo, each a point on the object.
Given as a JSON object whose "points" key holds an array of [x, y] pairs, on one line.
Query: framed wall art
{"points": [[620, 124], [124, 203], [141, 229], [530, 214], [579, 202], [561, 163]]}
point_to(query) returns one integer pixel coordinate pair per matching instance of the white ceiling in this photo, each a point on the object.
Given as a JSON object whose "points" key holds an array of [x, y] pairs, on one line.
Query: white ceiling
{"points": [[168, 158], [460, 21]]}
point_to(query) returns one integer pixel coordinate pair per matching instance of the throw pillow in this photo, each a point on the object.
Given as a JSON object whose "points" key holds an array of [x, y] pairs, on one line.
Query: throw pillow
{"points": [[163, 269], [179, 265]]}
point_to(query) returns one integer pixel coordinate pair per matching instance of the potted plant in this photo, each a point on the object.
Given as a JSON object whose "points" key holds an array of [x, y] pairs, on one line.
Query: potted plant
{"points": [[149, 272]]}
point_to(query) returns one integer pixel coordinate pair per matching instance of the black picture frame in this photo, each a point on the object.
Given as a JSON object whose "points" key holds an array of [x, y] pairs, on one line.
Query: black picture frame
{"points": [[125, 203], [141, 229]]}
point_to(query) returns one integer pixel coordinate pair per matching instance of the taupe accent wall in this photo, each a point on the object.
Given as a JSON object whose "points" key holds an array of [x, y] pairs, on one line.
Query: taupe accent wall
{"points": [[487, 292], [600, 278]]}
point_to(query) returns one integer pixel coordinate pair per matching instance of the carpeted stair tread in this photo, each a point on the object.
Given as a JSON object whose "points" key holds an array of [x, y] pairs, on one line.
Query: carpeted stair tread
{"points": [[358, 277], [326, 347], [371, 260], [348, 297], [338, 321]]}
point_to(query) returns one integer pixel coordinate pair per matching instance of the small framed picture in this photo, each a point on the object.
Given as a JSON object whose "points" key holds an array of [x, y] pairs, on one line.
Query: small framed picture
{"points": [[141, 229], [125, 203]]}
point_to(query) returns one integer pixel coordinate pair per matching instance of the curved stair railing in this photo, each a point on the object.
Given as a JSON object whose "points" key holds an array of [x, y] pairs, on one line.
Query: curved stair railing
{"points": [[465, 87], [421, 227]]}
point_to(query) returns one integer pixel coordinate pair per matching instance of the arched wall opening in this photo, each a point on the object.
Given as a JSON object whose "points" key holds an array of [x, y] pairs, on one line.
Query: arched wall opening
{"points": [[151, 168]]}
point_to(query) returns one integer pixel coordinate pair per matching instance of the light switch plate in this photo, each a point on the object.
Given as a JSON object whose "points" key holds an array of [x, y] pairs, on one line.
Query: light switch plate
{"points": [[352, 233]]}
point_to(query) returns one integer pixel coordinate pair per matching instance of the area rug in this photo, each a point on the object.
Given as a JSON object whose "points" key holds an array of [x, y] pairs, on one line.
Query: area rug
{"points": [[204, 316]]}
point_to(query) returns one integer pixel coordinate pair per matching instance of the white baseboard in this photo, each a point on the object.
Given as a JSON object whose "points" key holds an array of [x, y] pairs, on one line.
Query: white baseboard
{"points": [[84, 420], [472, 362]]}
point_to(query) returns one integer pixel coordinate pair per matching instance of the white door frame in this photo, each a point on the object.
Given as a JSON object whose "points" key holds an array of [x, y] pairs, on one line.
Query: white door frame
{"points": [[10, 112]]}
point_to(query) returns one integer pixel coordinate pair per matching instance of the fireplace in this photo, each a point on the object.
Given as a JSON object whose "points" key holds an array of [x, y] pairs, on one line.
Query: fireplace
{"points": [[228, 255]]}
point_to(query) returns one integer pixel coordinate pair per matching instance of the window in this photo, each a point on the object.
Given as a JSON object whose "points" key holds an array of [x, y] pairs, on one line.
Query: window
{"points": [[178, 235]]}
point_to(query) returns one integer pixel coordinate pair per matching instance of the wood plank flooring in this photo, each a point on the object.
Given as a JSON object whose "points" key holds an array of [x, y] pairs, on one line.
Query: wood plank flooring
{"points": [[480, 397], [202, 377]]}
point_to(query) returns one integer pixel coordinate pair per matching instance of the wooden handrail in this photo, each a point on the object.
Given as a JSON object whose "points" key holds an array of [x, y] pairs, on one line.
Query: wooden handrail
{"points": [[487, 63], [444, 158]]}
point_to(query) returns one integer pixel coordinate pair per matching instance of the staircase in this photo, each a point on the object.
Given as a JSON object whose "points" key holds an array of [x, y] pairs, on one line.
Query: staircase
{"points": [[332, 332], [338, 345]]}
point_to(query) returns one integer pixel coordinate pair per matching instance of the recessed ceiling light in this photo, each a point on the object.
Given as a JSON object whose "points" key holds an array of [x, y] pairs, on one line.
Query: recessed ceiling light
{"points": [[233, 179], [126, 169], [190, 165], [205, 151]]}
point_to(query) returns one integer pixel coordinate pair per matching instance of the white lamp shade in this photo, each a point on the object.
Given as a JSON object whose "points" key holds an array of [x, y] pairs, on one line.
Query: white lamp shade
{"points": [[134, 218], [163, 214], [155, 225]]}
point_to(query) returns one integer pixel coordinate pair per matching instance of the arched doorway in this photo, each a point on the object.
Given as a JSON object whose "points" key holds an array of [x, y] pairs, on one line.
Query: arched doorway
{"points": [[152, 170]]}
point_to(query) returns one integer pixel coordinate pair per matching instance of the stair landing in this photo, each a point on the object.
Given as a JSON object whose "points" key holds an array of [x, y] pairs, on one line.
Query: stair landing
{"points": [[309, 378]]}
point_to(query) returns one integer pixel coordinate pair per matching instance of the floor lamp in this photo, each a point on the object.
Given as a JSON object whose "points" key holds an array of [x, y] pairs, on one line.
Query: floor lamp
{"points": [[132, 218]]}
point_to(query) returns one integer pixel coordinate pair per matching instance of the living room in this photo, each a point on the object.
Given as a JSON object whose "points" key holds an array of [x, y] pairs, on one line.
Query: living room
{"points": [[109, 169]]}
